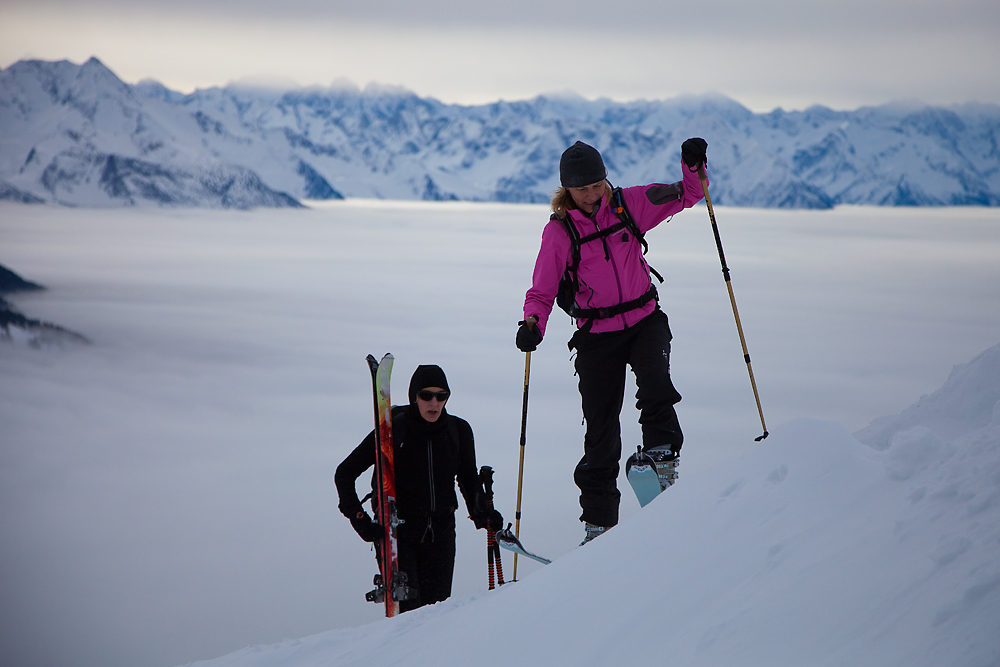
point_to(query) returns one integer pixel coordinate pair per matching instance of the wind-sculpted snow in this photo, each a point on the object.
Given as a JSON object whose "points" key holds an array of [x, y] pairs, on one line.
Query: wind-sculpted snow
{"points": [[812, 549], [966, 403], [61, 125]]}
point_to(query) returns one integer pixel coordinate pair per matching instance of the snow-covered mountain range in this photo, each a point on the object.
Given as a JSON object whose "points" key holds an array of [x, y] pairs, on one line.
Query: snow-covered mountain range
{"points": [[78, 135]]}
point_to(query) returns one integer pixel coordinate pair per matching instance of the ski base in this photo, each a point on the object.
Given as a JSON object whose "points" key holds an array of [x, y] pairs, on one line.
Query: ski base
{"points": [[649, 477], [643, 480], [507, 540]]}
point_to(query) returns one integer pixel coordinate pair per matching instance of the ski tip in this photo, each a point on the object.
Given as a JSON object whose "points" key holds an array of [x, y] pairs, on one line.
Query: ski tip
{"points": [[374, 363]]}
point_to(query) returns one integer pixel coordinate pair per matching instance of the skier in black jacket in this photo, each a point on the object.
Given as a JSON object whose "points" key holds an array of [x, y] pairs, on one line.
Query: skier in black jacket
{"points": [[431, 449]]}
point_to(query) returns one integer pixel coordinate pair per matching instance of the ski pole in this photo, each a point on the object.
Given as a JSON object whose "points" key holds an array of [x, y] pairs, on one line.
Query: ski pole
{"points": [[732, 299], [530, 321], [489, 559], [492, 537], [492, 548]]}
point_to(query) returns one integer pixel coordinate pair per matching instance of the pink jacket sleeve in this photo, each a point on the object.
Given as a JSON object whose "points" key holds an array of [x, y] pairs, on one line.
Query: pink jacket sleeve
{"points": [[551, 263], [675, 196]]}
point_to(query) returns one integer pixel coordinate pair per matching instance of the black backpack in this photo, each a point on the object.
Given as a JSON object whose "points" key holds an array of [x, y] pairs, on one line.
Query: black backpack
{"points": [[569, 284]]}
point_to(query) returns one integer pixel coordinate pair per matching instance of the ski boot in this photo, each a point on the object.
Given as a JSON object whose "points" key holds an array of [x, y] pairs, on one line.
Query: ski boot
{"points": [[593, 532], [667, 462], [651, 471]]}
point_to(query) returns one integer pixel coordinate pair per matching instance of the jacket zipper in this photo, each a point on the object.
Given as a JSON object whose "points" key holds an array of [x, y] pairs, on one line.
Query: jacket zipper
{"points": [[621, 296], [614, 266], [430, 474]]}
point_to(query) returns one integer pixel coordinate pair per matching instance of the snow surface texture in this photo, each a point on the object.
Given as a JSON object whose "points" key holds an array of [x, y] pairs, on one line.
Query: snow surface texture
{"points": [[811, 549], [166, 495], [78, 135]]}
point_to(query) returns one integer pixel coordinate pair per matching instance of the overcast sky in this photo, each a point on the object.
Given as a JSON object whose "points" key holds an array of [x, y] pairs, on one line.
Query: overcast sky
{"points": [[764, 54]]}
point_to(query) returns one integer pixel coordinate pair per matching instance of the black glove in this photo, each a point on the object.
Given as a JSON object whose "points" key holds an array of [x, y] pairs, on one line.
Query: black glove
{"points": [[491, 518], [370, 531], [693, 152], [527, 338]]}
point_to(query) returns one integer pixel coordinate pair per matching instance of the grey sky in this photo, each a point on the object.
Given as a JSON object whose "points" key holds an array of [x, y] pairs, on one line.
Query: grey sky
{"points": [[764, 54]]}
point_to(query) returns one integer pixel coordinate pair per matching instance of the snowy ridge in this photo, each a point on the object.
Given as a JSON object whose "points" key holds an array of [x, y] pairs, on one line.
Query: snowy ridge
{"points": [[812, 549], [78, 135]]}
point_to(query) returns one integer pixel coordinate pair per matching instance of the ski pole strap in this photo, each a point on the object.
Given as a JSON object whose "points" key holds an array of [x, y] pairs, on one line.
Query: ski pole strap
{"points": [[612, 311]]}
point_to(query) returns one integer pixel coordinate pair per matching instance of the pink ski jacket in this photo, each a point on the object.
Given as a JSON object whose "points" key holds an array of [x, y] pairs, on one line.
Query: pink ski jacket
{"points": [[620, 276]]}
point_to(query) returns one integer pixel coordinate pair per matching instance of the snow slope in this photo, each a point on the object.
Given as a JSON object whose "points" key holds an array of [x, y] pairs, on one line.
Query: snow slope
{"points": [[812, 549]]}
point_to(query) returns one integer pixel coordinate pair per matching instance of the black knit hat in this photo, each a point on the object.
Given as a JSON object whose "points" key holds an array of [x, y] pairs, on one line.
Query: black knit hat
{"points": [[581, 165], [427, 376]]}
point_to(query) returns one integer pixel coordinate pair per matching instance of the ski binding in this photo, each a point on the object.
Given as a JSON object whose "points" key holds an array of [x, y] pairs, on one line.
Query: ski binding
{"points": [[507, 540]]}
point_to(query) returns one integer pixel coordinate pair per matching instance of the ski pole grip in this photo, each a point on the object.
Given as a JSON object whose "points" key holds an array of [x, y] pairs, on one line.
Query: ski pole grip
{"points": [[530, 321], [701, 172], [486, 477]]}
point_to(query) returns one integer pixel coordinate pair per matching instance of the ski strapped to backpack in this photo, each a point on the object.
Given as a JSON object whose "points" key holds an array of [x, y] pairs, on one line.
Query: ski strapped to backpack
{"points": [[569, 284]]}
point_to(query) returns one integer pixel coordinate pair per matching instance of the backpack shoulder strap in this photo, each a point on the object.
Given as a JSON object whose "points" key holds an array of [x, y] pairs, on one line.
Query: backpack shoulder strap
{"points": [[398, 425], [574, 239], [621, 209], [571, 230], [569, 284], [453, 431]]}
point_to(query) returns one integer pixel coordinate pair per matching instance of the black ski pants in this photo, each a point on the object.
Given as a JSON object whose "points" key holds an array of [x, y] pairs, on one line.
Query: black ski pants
{"points": [[601, 359], [427, 556]]}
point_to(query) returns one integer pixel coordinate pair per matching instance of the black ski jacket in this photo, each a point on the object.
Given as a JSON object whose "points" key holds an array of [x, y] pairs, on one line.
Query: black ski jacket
{"points": [[428, 458]]}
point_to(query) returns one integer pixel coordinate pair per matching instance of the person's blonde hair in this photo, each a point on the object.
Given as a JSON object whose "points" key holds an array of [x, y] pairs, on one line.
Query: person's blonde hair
{"points": [[562, 200]]}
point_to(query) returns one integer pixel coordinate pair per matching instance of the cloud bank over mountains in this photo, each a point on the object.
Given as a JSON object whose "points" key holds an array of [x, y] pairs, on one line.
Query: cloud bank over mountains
{"points": [[77, 135]]}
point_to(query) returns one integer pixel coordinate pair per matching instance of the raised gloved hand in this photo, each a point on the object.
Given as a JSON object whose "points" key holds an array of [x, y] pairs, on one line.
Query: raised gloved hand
{"points": [[693, 152], [528, 337], [366, 528], [491, 519]]}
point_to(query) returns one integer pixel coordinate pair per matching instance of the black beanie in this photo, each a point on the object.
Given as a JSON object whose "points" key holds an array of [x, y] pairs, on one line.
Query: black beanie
{"points": [[581, 165], [427, 376]]}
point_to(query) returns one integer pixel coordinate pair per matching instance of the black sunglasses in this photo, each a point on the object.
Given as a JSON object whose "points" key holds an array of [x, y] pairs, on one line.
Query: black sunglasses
{"points": [[426, 395]]}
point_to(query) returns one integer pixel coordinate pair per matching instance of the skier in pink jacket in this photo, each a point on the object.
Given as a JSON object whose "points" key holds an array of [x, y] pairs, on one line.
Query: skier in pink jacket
{"points": [[616, 311]]}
